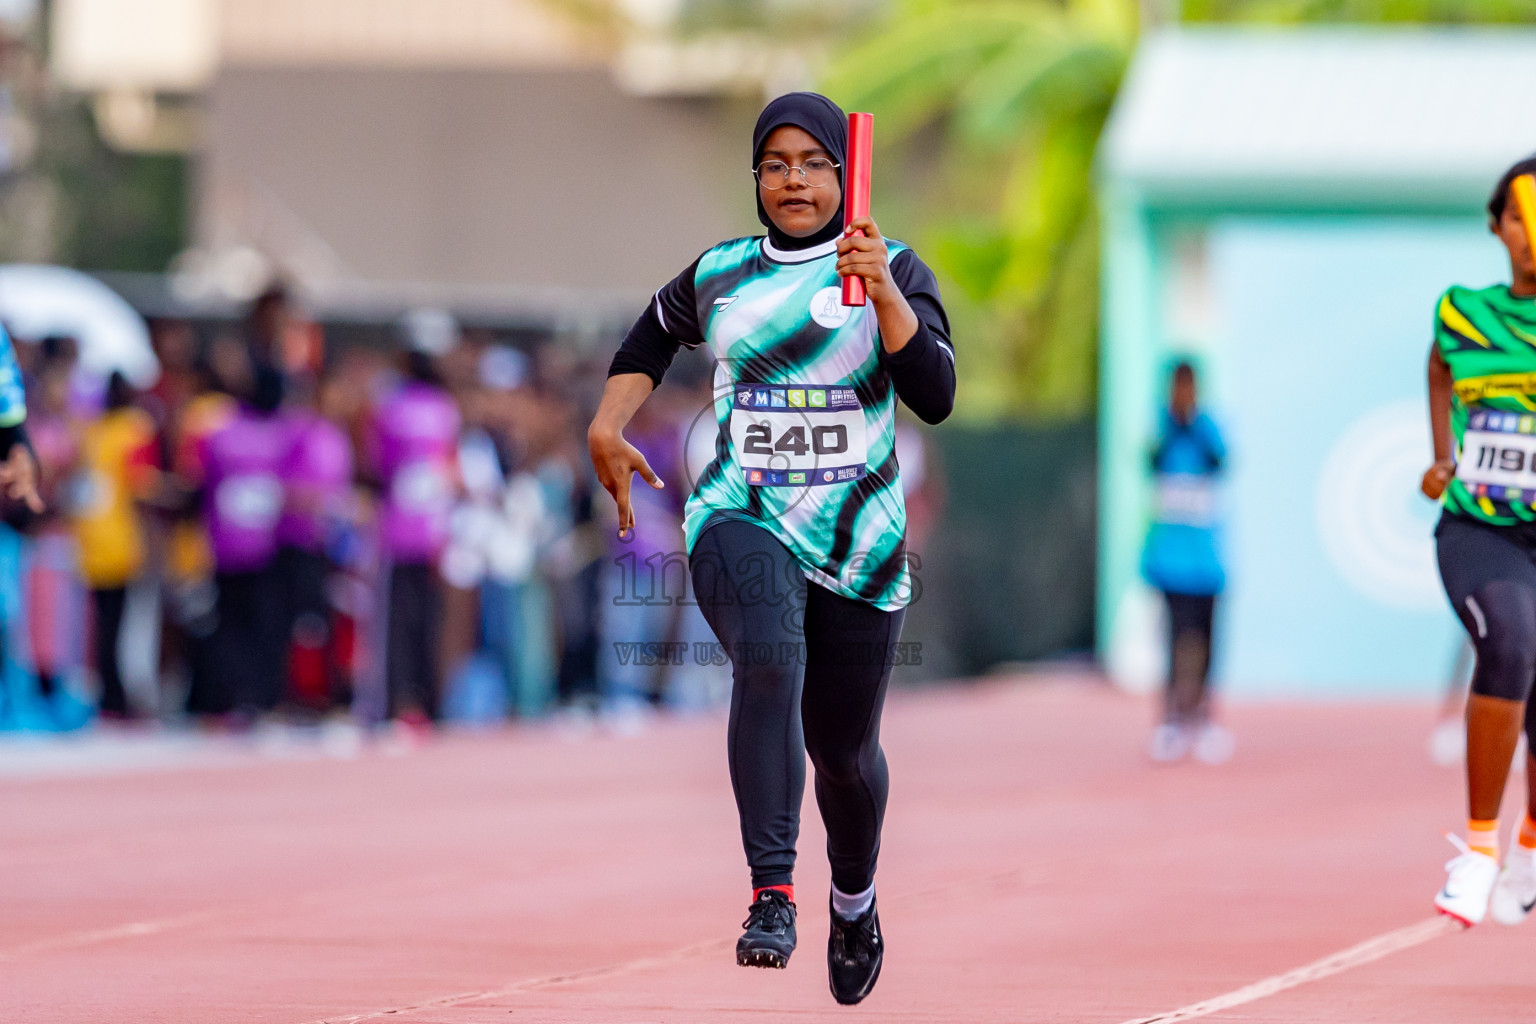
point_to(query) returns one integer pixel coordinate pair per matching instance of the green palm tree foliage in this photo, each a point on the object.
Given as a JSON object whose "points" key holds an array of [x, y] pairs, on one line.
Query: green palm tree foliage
{"points": [[1000, 105], [1373, 12]]}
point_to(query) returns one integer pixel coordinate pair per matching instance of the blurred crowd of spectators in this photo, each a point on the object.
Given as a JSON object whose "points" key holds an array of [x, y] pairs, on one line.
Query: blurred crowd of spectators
{"points": [[275, 531]]}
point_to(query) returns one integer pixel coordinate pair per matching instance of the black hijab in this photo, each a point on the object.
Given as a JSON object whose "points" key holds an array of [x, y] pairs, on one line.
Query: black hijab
{"points": [[826, 122]]}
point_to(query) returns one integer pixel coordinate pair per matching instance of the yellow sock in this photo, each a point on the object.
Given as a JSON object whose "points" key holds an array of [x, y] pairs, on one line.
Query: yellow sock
{"points": [[1528, 833], [1483, 836]]}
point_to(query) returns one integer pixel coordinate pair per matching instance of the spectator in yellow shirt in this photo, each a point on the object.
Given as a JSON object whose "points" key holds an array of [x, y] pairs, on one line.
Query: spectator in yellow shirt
{"points": [[117, 470]]}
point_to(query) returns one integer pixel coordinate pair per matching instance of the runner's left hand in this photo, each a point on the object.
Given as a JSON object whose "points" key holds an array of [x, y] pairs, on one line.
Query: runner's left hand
{"points": [[866, 256], [18, 478]]}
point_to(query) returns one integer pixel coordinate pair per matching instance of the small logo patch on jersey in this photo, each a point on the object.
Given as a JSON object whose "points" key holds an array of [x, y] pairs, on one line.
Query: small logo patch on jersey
{"points": [[724, 301], [827, 307]]}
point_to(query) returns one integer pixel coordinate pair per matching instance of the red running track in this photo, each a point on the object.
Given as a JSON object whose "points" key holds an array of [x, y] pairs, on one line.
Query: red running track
{"points": [[1035, 868]]}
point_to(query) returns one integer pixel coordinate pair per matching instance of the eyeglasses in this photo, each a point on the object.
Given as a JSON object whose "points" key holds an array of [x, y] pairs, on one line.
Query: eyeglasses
{"points": [[815, 172]]}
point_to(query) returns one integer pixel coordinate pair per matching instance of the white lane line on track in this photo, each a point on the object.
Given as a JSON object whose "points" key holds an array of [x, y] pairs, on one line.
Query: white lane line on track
{"points": [[158, 925], [986, 883], [1371, 949], [605, 970], [131, 930]]}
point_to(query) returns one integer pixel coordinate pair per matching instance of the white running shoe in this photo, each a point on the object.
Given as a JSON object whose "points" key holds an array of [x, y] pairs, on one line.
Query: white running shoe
{"points": [[1515, 893], [1469, 885], [1169, 743], [1214, 744]]}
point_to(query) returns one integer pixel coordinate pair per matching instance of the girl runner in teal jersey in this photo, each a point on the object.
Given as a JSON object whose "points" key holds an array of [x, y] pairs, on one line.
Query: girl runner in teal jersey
{"points": [[796, 529], [1482, 398]]}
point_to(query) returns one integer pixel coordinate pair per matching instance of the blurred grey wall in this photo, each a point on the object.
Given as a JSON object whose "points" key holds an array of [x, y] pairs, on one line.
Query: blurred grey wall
{"points": [[495, 178]]}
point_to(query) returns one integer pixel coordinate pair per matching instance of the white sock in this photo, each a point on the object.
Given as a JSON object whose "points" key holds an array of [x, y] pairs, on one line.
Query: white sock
{"points": [[850, 907]]}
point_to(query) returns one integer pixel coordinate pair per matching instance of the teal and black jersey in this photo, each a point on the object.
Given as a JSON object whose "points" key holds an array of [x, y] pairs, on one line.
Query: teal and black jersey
{"points": [[804, 404]]}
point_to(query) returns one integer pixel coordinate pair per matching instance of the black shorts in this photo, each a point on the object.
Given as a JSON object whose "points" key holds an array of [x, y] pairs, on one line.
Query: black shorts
{"points": [[1489, 574], [1473, 554]]}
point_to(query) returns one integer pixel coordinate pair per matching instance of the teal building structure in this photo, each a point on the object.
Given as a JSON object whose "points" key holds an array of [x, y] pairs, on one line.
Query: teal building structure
{"points": [[1284, 208]]}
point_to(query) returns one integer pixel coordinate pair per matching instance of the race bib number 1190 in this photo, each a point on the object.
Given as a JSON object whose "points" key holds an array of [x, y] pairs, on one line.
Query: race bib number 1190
{"points": [[1498, 456], [798, 436]]}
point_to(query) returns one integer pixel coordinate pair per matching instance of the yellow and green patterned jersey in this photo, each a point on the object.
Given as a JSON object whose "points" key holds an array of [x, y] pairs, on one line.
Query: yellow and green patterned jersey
{"points": [[1488, 339]]}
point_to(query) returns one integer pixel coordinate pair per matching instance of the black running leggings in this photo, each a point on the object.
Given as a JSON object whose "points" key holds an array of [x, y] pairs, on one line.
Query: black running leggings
{"points": [[810, 669], [1489, 574]]}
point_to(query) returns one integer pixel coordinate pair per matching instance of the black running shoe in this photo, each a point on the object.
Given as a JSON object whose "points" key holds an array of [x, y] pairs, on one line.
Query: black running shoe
{"points": [[770, 931], [854, 952]]}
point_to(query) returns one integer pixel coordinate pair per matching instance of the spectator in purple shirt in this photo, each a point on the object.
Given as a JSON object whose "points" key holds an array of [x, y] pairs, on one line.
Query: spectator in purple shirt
{"points": [[242, 504], [317, 481], [414, 442]]}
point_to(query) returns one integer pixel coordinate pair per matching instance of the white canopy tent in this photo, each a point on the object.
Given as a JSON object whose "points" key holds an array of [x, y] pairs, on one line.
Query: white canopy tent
{"points": [[37, 301]]}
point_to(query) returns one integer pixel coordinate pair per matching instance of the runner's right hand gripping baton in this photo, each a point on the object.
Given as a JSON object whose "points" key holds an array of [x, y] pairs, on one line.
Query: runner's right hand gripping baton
{"points": [[861, 145], [1523, 189]]}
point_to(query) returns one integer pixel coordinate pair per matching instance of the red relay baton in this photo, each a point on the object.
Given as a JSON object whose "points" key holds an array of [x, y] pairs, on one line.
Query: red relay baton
{"points": [[861, 145]]}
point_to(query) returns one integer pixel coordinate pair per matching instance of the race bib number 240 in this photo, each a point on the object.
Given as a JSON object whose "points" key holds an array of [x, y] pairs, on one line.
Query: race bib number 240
{"points": [[798, 435]]}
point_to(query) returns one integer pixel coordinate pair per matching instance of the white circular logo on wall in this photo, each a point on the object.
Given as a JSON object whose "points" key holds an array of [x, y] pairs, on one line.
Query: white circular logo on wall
{"points": [[827, 307], [1374, 524]]}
